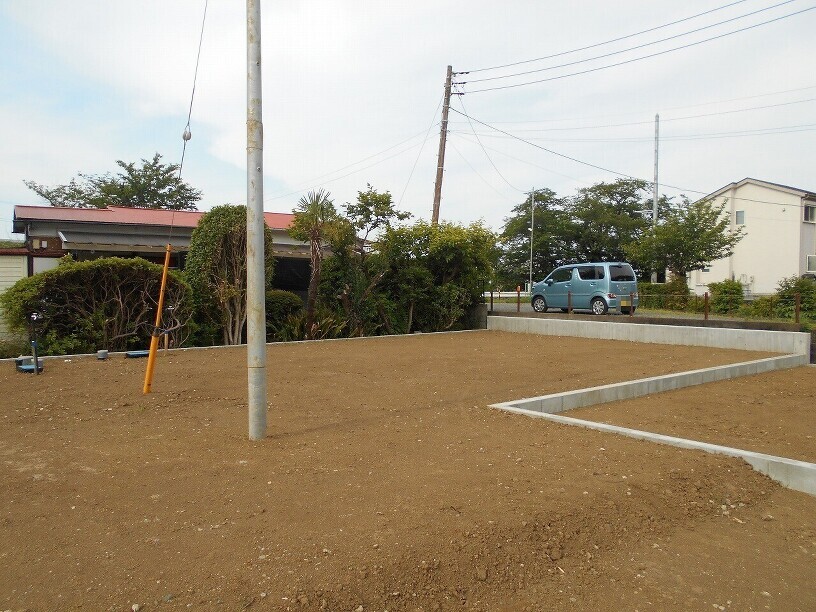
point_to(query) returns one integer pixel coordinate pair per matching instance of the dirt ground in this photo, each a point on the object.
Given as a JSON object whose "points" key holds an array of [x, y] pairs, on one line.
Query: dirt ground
{"points": [[385, 483], [773, 413]]}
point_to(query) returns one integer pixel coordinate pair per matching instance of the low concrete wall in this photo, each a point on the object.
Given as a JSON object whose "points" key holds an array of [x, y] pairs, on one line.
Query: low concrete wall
{"points": [[579, 398], [746, 339], [796, 475]]}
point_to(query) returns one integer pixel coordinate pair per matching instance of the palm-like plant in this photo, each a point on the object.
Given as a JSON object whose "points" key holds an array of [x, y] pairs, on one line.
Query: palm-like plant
{"points": [[315, 215]]}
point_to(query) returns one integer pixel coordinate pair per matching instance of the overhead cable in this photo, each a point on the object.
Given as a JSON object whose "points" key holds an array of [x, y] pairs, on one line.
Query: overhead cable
{"points": [[628, 49], [637, 59], [606, 42], [602, 168]]}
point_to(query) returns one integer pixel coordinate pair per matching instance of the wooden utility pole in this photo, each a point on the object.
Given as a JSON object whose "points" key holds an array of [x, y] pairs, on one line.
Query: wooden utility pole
{"points": [[440, 167]]}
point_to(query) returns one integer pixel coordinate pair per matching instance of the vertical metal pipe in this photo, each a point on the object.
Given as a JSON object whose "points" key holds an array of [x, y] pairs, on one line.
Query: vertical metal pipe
{"points": [[706, 305], [532, 227], [256, 307], [491, 300], [518, 298], [654, 186]]}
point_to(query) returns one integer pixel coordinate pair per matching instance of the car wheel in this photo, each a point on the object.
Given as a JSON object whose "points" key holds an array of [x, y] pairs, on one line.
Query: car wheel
{"points": [[565, 310], [598, 306], [539, 304]]}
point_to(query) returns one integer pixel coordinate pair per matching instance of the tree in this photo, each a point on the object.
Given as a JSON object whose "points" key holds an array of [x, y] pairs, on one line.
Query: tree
{"points": [[107, 303], [553, 239], [151, 185], [352, 275], [688, 237], [608, 216], [436, 272], [315, 220], [217, 268]]}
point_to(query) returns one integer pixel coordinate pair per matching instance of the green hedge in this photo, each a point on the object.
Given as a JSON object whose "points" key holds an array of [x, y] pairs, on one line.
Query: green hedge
{"points": [[107, 303]]}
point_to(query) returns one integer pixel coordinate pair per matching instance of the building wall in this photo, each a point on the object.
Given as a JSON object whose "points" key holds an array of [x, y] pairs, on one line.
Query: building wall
{"points": [[41, 264], [770, 249], [12, 269], [808, 242]]}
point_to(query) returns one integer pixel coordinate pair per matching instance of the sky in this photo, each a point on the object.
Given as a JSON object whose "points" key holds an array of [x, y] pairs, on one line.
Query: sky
{"points": [[352, 91]]}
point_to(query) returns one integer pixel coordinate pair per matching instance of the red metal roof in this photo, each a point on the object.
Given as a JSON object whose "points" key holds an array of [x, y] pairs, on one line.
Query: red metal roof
{"points": [[131, 216]]}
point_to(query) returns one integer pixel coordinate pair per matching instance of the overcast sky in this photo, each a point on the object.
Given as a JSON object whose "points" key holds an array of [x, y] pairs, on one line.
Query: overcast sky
{"points": [[352, 91]]}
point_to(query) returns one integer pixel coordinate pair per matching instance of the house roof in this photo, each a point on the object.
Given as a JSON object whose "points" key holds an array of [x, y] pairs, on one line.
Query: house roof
{"points": [[802, 193], [127, 216]]}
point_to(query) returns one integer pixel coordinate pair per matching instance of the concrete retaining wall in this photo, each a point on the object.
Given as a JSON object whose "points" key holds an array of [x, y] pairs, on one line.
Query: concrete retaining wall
{"points": [[579, 398], [796, 475], [797, 343]]}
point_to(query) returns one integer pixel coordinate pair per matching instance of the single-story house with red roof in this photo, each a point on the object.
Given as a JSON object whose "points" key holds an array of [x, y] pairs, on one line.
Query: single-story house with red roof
{"points": [[89, 233]]}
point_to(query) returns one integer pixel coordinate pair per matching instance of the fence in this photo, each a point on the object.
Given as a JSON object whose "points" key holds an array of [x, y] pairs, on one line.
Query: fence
{"points": [[786, 307]]}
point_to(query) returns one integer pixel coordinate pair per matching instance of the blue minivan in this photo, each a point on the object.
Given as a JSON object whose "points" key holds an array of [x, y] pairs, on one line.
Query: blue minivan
{"points": [[598, 287]]}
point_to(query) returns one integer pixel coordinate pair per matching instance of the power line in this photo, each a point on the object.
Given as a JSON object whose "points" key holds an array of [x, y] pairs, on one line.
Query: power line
{"points": [[641, 46], [607, 42], [604, 169], [427, 133], [637, 59], [783, 129], [476, 172], [314, 182], [485, 151], [186, 136], [684, 118], [662, 109]]}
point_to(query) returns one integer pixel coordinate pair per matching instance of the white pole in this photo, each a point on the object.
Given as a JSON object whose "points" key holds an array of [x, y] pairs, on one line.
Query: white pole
{"points": [[532, 226], [256, 307], [654, 192]]}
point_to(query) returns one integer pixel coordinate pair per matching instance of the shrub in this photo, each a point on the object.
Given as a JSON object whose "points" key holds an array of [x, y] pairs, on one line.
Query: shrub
{"points": [[280, 305], [786, 294], [13, 347], [673, 295], [325, 326], [107, 303], [726, 296]]}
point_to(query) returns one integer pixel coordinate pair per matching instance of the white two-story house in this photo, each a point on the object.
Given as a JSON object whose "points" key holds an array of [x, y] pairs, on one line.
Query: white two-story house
{"points": [[779, 223]]}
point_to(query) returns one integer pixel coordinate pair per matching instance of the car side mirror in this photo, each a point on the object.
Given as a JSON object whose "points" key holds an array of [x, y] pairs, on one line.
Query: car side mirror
{"points": [[548, 282]]}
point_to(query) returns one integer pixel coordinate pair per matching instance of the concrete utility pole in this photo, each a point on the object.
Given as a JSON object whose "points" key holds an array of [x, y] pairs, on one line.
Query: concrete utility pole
{"points": [[532, 226], [443, 135], [654, 192], [256, 307]]}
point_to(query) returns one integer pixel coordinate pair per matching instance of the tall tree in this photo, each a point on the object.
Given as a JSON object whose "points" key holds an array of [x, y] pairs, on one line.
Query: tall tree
{"points": [[354, 272], [608, 216], [689, 237], [152, 184], [553, 239], [216, 269], [315, 219]]}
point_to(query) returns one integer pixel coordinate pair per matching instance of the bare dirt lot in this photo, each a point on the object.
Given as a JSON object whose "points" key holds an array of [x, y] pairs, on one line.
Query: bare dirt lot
{"points": [[773, 413], [384, 483]]}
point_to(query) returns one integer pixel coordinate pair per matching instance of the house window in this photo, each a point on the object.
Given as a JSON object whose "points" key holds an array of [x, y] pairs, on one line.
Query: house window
{"points": [[811, 263], [810, 213], [740, 217]]}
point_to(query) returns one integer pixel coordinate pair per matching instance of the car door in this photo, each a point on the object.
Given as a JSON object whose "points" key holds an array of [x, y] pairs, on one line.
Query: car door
{"points": [[559, 283], [583, 286]]}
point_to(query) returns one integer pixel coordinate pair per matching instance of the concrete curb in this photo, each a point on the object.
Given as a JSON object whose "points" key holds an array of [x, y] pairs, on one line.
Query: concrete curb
{"points": [[744, 339], [579, 398], [232, 346], [793, 474]]}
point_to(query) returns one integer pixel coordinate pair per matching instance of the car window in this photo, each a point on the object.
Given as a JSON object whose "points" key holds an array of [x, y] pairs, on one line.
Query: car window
{"points": [[587, 272], [561, 275], [621, 272], [599, 272]]}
